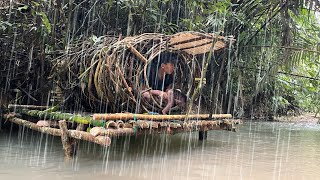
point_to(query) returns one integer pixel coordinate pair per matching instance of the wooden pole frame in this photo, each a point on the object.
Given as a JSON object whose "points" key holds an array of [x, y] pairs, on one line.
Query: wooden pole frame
{"points": [[81, 135]]}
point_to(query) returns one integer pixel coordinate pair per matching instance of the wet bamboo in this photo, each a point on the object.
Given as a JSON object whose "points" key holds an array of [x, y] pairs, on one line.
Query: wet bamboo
{"points": [[62, 116], [99, 131], [147, 127], [81, 135], [18, 106], [130, 116]]}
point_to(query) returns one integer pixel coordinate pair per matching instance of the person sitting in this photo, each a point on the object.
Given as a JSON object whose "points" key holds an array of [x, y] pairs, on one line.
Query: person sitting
{"points": [[160, 78]]}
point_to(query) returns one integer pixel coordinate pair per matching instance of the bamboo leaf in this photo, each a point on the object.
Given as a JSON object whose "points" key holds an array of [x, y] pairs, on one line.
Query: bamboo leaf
{"points": [[45, 21]]}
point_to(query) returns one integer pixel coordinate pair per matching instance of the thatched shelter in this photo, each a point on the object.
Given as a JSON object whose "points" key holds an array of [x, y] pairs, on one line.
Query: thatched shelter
{"points": [[105, 74]]}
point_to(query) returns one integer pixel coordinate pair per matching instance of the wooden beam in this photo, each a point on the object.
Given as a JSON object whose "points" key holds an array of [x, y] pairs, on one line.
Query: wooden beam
{"points": [[81, 135], [66, 140]]}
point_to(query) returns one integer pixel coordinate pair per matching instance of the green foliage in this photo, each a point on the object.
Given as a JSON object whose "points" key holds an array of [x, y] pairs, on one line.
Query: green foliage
{"points": [[272, 36], [5, 25], [275, 38], [279, 102], [45, 21]]}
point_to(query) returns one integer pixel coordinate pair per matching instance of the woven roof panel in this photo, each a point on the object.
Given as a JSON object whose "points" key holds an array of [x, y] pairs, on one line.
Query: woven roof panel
{"points": [[195, 43], [205, 48]]}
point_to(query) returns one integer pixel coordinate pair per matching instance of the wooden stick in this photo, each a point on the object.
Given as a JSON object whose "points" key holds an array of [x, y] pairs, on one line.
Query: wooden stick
{"points": [[129, 89], [18, 106], [137, 53], [66, 141], [130, 116], [102, 140]]}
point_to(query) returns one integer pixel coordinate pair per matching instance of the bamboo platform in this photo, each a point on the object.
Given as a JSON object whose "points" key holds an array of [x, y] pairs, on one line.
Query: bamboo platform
{"points": [[100, 128]]}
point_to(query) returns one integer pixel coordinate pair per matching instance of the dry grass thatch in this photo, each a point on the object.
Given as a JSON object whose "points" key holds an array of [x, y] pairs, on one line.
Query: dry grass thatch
{"points": [[110, 71]]}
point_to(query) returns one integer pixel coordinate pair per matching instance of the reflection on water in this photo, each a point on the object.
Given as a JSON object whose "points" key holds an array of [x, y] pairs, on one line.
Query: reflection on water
{"points": [[259, 150]]}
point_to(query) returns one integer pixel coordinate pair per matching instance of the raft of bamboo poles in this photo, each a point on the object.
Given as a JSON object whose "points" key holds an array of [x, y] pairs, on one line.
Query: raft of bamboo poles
{"points": [[120, 123], [131, 127], [100, 128]]}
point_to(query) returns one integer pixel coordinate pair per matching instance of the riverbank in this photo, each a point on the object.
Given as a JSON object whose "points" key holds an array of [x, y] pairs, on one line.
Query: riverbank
{"points": [[304, 118]]}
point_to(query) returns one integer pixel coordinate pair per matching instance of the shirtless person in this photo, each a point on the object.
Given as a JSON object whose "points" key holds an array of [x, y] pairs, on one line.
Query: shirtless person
{"points": [[160, 79]]}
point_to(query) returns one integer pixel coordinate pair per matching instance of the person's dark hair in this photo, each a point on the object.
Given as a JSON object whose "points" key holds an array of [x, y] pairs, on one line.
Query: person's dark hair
{"points": [[167, 57]]}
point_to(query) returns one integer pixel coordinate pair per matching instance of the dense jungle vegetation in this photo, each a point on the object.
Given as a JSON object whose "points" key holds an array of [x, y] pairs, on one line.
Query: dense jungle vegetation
{"points": [[273, 68]]}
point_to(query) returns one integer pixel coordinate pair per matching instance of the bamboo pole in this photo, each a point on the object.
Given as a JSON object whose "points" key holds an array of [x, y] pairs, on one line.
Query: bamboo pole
{"points": [[100, 119], [20, 107], [130, 116], [99, 131], [47, 123], [81, 135], [148, 127], [62, 116]]}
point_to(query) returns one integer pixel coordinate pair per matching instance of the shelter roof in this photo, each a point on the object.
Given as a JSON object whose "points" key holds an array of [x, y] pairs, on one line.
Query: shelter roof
{"points": [[194, 43]]}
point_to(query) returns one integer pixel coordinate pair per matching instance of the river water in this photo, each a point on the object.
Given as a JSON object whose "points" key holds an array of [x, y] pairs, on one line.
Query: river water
{"points": [[259, 150]]}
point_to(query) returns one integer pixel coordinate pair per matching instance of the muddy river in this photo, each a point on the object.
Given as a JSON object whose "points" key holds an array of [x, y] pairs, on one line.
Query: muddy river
{"points": [[259, 150]]}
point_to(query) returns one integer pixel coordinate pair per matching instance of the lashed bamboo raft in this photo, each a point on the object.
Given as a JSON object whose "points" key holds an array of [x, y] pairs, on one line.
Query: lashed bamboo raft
{"points": [[107, 126], [121, 123], [119, 128]]}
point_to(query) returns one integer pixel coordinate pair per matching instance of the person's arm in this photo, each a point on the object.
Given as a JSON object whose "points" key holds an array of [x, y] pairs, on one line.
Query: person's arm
{"points": [[170, 98]]}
